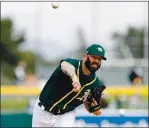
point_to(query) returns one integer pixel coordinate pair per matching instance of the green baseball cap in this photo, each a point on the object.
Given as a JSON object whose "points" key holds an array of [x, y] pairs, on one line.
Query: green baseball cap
{"points": [[96, 49]]}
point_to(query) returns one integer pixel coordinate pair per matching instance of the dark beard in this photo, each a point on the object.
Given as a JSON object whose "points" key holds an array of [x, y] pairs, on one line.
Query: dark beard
{"points": [[88, 64]]}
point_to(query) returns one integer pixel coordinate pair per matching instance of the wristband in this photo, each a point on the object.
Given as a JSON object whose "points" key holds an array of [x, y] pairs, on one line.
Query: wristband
{"points": [[94, 108]]}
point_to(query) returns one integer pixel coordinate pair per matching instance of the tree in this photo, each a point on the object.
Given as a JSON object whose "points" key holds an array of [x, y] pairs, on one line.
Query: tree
{"points": [[10, 54], [133, 39], [9, 37]]}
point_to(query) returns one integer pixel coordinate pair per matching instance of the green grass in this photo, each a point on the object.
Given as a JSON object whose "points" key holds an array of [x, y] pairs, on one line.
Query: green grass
{"points": [[21, 103], [15, 104]]}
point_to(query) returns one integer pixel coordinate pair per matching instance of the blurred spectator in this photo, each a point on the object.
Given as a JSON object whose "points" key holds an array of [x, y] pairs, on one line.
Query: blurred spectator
{"points": [[135, 102], [121, 101], [118, 102], [135, 78], [20, 73], [31, 80]]}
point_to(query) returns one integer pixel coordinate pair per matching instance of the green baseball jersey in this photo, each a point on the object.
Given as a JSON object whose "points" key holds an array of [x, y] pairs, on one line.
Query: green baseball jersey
{"points": [[57, 94]]}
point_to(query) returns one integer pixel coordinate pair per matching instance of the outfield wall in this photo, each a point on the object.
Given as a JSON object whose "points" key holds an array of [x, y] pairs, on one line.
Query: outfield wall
{"points": [[34, 91], [108, 118]]}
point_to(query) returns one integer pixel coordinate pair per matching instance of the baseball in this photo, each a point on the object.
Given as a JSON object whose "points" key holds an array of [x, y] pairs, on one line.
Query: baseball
{"points": [[122, 112], [55, 5]]}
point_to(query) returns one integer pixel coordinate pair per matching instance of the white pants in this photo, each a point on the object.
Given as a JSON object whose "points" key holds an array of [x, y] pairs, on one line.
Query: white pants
{"points": [[42, 118]]}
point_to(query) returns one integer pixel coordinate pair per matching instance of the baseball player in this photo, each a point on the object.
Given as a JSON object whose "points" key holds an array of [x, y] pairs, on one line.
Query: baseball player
{"points": [[74, 82]]}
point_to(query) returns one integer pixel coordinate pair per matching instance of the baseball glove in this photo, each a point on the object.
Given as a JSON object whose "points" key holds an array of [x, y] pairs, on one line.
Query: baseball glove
{"points": [[96, 95]]}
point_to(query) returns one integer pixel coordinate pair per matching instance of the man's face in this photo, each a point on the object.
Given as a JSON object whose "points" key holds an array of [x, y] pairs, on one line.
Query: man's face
{"points": [[93, 62]]}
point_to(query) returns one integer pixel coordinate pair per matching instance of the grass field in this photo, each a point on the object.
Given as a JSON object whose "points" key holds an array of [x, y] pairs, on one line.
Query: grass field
{"points": [[21, 103], [14, 103]]}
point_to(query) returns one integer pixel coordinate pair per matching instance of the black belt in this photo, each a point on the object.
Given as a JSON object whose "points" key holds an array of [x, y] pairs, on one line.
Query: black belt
{"points": [[54, 111]]}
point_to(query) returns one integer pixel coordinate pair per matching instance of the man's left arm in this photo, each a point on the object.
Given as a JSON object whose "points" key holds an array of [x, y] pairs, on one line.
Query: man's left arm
{"points": [[97, 112], [93, 102]]}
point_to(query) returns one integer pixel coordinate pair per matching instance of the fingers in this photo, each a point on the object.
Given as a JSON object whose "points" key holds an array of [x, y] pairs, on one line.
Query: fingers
{"points": [[76, 84], [76, 87], [94, 102]]}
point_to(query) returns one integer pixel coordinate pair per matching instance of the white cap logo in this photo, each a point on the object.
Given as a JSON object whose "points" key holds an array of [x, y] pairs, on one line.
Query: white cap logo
{"points": [[86, 52], [99, 49]]}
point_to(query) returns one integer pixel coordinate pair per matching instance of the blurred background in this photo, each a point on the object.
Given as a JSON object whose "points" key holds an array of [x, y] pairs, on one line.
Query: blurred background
{"points": [[35, 37]]}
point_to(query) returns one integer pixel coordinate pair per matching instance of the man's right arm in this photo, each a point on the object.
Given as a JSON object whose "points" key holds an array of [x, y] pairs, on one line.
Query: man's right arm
{"points": [[69, 70]]}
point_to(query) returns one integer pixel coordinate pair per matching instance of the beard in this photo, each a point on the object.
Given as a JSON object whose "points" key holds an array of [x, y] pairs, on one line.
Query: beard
{"points": [[88, 64]]}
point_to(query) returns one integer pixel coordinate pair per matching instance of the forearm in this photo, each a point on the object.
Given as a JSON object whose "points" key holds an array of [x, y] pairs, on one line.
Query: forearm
{"points": [[68, 69], [98, 112]]}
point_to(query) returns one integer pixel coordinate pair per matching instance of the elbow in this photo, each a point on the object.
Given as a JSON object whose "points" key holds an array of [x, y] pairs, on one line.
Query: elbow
{"points": [[63, 65]]}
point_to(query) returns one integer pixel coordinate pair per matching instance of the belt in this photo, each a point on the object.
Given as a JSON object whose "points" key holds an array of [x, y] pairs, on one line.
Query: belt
{"points": [[54, 111]]}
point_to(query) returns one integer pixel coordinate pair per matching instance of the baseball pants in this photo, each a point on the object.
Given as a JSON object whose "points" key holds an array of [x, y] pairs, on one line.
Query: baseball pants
{"points": [[42, 118]]}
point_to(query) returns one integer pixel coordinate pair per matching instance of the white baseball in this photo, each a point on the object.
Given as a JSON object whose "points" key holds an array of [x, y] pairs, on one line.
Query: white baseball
{"points": [[122, 111], [55, 5]]}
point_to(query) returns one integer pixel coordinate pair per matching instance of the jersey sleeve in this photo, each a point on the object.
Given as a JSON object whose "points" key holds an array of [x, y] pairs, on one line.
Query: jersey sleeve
{"points": [[74, 62]]}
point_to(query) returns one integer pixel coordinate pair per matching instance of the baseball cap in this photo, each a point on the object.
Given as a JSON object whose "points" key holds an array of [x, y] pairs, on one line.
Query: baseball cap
{"points": [[96, 49]]}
